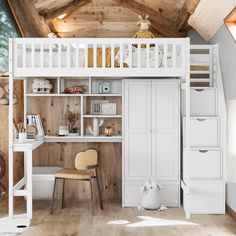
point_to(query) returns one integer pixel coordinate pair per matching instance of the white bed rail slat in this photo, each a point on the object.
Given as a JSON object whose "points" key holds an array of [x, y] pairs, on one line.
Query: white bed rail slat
{"points": [[148, 55], [24, 56], [59, 56], [137, 64], [67, 55], [121, 55], [50, 55], [156, 55], [77, 55], [165, 56], [139, 55], [41, 55], [33, 55], [86, 56], [174, 55], [130, 56]]}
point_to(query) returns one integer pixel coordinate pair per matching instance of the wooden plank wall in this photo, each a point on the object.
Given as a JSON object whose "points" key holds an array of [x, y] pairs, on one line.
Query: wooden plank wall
{"points": [[99, 19], [18, 115]]}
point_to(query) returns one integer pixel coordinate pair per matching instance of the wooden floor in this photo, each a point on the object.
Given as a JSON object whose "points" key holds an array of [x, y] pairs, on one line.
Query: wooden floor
{"points": [[76, 219]]}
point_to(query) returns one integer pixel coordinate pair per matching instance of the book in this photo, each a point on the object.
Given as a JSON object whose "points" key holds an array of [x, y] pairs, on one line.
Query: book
{"points": [[34, 119]]}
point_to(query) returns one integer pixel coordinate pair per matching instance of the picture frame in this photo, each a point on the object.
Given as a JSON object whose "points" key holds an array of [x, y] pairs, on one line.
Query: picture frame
{"points": [[96, 108], [108, 108]]}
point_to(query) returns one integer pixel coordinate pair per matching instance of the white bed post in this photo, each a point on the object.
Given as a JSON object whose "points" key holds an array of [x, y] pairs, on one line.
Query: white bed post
{"points": [[10, 132], [187, 130]]}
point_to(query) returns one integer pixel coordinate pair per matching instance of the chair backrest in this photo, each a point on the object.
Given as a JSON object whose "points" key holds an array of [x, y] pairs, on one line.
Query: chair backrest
{"points": [[86, 158]]}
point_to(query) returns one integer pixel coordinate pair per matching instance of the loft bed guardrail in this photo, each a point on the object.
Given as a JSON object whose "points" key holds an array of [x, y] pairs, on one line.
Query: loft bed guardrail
{"points": [[99, 56]]}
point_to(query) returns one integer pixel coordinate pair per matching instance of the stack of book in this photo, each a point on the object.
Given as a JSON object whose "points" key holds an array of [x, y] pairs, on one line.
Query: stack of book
{"points": [[36, 121]]}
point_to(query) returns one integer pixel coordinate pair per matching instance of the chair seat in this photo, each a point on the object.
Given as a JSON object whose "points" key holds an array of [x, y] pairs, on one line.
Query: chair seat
{"points": [[75, 174]]}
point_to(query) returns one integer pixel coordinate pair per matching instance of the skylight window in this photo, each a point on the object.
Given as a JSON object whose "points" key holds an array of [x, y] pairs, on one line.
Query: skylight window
{"points": [[230, 22]]}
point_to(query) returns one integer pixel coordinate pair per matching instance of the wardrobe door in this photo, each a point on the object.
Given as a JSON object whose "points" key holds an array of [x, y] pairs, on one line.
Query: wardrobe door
{"points": [[165, 130], [137, 130]]}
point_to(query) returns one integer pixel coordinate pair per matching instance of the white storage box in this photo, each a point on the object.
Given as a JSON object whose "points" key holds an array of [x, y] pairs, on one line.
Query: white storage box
{"points": [[204, 132], [202, 102], [43, 181], [207, 197], [205, 164]]}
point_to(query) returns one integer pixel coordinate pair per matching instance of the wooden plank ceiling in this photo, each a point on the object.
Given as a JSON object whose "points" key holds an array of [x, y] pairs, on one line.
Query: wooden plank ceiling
{"points": [[111, 18]]}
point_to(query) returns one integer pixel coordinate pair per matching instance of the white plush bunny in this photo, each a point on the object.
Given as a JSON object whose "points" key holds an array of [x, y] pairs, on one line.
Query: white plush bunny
{"points": [[151, 195]]}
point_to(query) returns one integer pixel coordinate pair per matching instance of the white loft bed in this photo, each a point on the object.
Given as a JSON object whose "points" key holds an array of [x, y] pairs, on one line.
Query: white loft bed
{"points": [[43, 57]]}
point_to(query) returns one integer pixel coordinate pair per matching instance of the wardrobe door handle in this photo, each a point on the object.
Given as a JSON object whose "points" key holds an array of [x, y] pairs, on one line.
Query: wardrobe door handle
{"points": [[199, 90], [201, 119], [203, 151]]}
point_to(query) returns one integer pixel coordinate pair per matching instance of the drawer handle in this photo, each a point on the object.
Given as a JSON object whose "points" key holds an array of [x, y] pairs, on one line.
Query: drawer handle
{"points": [[199, 90], [203, 151], [202, 119]]}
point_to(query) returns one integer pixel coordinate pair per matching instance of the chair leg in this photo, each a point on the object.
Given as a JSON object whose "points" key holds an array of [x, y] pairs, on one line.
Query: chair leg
{"points": [[99, 190], [91, 188], [63, 193], [53, 195]]}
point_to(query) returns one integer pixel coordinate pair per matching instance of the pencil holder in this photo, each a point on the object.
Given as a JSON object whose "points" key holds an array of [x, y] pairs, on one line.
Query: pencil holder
{"points": [[22, 137]]}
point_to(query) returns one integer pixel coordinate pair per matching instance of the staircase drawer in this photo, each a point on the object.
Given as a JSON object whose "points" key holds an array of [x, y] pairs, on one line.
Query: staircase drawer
{"points": [[205, 164], [203, 131], [206, 197], [202, 102]]}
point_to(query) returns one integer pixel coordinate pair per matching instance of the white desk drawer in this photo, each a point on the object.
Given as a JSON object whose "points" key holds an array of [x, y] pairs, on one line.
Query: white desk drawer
{"points": [[205, 164], [207, 197], [203, 131], [202, 102]]}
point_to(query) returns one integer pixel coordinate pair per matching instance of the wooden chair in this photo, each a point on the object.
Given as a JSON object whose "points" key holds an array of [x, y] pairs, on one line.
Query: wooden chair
{"points": [[86, 169]]}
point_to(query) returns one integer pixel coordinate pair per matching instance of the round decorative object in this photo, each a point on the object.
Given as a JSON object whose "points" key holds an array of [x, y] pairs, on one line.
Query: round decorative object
{"points": [[108, 131], [32, 129]]}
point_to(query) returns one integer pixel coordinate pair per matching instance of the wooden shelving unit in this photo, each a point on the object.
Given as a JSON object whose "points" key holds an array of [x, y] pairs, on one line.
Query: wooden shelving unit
{"points": [[57, 102]]}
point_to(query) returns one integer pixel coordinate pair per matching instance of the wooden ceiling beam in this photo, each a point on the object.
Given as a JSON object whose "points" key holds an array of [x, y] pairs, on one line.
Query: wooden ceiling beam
{"points": [[64, 10], [186, 11], [163, 25], [31, 24]]}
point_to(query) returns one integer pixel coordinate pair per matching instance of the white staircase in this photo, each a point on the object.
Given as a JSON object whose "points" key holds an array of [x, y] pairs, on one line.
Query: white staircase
{"points": [[203, 169]]}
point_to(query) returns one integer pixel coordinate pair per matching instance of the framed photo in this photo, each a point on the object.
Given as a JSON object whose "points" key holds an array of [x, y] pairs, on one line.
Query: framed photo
{"points": [[108, 108], [96, 106]]}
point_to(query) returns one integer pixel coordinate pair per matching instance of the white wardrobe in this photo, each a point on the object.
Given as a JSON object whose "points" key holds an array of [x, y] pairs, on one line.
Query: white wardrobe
{"points": [[151, 145]]}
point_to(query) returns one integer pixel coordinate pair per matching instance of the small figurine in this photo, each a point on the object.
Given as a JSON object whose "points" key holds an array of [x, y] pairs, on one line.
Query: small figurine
{"points": [[144, 24], [41, 86]]}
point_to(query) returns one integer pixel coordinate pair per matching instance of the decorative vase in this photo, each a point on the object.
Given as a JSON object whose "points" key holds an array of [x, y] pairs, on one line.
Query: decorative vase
{"points": [[108, 131], [96, 124]]}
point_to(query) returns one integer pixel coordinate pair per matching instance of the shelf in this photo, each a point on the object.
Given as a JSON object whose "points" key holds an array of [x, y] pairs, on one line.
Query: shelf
{"points": [[102, 116], [86, 138], [41, 95], [72, 95], [104, 95], [53, 95]]}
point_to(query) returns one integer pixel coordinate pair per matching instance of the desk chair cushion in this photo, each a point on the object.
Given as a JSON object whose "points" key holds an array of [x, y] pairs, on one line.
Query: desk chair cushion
{"points": [[75, 174]]}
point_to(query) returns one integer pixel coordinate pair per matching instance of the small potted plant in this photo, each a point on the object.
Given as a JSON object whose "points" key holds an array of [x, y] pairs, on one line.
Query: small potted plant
{"points": [[71, 118]]}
